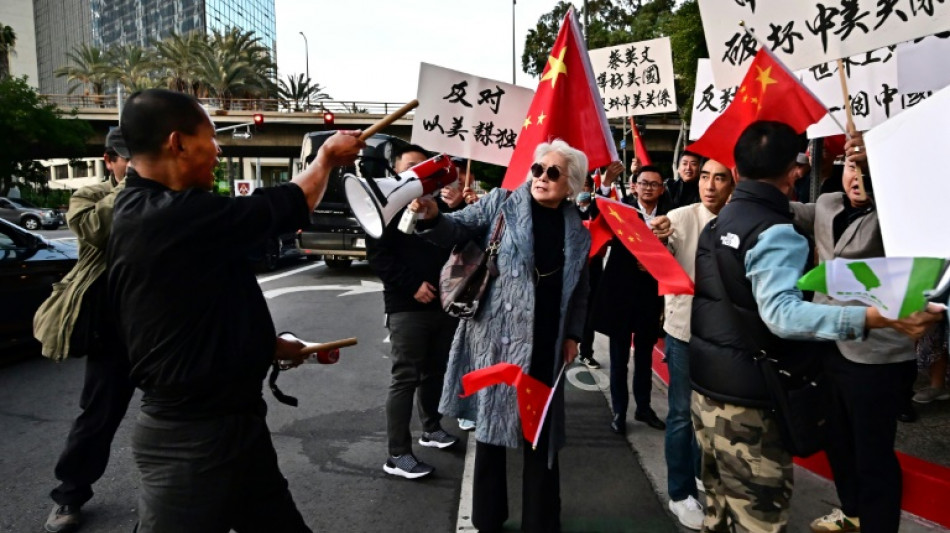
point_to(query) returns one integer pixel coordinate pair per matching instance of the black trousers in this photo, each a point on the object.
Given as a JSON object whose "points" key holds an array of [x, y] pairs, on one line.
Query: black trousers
{"points": [[420, 352], [210, 476], [862, 426], [645, 334], [540, 489], [106, 393]]}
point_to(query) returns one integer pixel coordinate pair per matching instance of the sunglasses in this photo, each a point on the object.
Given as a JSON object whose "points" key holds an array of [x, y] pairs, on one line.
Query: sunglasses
{"points": [[553, 173]]}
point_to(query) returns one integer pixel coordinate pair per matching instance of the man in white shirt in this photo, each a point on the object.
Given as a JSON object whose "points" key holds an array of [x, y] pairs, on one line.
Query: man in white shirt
{"points": [[681, 228]]}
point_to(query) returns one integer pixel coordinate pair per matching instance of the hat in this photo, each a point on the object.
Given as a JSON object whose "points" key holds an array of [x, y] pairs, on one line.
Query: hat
{"points": [[116, 143]]}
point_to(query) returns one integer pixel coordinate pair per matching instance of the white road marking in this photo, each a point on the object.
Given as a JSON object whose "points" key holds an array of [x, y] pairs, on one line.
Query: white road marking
{"points": [[601, 381], [464, 521], [311, 266], [348, 290]]}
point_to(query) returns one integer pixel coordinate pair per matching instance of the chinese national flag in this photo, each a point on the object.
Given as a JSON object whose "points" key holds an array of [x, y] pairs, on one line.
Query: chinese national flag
{"points": [[768, 92], [600, 235], [566, 106], [534, 397], [645, 246], [639, 150]]}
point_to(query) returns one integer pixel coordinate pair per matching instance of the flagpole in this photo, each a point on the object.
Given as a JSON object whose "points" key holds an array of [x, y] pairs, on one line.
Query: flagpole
{"points": [[779, 62], [547, 404], [846, 96]]}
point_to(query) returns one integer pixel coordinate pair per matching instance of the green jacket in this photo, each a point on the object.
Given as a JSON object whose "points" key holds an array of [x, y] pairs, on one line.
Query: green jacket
{"points": [[90, 217]]}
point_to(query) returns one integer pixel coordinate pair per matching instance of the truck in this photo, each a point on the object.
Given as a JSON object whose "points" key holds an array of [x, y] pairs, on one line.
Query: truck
{"points": [[334, 235]]}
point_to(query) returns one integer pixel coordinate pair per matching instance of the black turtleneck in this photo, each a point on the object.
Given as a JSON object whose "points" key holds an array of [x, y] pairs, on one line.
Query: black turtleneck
{"points": [[548, 224]]}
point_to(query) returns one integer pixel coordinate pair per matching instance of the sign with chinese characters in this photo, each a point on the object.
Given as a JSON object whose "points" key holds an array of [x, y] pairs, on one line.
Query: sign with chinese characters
{"points": [[243, 188], [805, 34], [904, 150], [921, 63], [872, 85], [468, 116], [636, 78]]}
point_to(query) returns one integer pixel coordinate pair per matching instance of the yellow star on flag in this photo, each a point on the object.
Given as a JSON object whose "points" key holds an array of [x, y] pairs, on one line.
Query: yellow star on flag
{"points": [[614, 213], [765, 78], [527, 121], [556, 66], [541, 118]]}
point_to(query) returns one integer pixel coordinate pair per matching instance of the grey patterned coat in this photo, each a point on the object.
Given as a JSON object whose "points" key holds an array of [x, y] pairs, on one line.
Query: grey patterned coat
{"points": [[503, 330]]}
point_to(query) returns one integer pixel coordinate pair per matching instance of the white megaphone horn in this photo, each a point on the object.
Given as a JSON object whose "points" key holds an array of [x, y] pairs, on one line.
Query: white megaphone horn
{"points": [[376, 201]]}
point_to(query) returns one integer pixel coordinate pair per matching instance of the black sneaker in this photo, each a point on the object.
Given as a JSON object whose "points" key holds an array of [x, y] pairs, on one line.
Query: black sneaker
{"points": [[63, 518], [407, 466], [589, 362], [437, 439]]}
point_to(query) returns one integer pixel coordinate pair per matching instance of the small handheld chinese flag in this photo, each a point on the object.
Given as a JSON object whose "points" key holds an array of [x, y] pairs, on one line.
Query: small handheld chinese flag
{"points": [[534, 397], [566, 106], [768, 92], [639, 150], [645, 246]]}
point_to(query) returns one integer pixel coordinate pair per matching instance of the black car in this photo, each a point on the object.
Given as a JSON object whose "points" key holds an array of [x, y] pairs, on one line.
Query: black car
{"points": [[29, 265], [334, 234]]}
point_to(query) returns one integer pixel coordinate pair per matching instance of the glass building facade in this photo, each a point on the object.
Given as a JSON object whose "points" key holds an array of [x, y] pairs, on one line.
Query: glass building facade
{"points": [[62, 25]]}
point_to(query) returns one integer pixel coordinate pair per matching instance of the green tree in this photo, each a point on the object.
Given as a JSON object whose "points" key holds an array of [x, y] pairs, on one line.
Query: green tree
{"points": [[688, 44], [298, 90], [134, 67], [88, 65], [40, 131], [7, 45], [236, 65], [177, 58]]}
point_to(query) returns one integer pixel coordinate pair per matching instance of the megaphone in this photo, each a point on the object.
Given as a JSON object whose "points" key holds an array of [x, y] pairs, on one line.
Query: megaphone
{"points": [[376, 201]]}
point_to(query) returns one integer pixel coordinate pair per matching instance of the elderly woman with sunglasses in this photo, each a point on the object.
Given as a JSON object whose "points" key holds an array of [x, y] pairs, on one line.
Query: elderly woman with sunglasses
{"points": [[532, 315]]}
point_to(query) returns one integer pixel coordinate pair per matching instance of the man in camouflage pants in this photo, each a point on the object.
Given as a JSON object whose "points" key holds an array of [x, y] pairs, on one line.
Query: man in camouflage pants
{"points": [[747, 264]]}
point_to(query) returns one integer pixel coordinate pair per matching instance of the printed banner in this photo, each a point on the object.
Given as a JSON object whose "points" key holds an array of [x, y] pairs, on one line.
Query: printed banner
{"points": [[805, 34], [468, 116], [636, 78], [872, 85]]}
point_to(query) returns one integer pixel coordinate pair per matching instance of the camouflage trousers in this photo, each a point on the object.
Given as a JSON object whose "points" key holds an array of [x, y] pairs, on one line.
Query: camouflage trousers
{"points": [[745, 468]]}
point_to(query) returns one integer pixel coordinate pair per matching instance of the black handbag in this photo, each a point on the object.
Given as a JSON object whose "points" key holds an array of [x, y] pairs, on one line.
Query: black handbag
{"points": [[799, 397], [465, 276]]}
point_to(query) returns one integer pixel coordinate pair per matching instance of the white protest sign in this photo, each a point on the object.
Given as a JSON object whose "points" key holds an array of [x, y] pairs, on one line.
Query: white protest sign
{"points": [[804, 34], [921, 64], [468, 116], [243, 188], [635, 78], [872, 85], [910, 193]]}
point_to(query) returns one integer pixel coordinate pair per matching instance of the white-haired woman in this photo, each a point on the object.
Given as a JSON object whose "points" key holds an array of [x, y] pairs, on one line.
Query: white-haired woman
{"points": [[532, 315]]}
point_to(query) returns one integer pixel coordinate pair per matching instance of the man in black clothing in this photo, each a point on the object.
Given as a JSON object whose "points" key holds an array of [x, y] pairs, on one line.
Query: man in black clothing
{"points": [[587, 208], [628, 303], [684, 189], [420, 333], [192, 316]]}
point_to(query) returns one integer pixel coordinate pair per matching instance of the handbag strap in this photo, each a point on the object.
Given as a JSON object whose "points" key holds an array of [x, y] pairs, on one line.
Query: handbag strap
{"points": [[495, 241]]}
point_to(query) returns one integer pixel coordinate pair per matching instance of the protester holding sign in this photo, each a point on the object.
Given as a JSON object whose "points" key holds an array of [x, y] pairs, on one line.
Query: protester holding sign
{"points": [[520, 321], [870, 380], [746, 302]]}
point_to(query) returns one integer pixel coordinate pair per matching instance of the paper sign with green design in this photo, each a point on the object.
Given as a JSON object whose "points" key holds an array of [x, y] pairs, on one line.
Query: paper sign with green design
{"points": [[894, 285]]}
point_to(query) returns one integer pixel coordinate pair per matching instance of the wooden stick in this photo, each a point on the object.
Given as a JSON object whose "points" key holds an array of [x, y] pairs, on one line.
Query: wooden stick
{"points": [[849, 121], [342, 343], [389, 119], [468, 174]]}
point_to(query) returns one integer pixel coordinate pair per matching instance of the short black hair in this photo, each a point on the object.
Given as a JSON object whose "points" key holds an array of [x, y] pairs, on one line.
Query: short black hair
{"points": [[399, 152], [766, 150], [687, 153], [150, 116], [649, 168]]}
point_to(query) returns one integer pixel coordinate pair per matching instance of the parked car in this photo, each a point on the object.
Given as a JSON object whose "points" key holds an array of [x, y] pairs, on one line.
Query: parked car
{"points": [[29, 265], [334, 234], [28, 215]]}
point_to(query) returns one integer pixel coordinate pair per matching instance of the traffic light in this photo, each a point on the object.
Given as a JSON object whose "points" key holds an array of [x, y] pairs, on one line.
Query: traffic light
{"points": [[328, 118], [258, 121]]}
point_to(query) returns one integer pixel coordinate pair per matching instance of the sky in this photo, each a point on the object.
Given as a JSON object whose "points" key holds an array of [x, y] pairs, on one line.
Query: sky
{"points": [[370, 50]]}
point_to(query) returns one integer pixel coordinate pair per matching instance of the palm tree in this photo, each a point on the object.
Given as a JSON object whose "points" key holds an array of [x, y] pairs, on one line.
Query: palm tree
{"points": [[235, 64], [7, 44], [134, 67], [296, 90], [88, 65], [177, 55]]}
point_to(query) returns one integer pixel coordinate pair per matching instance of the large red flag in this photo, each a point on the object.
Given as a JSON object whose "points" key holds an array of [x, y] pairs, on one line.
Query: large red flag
{"points": [[768, 92], [533, 396], [600, 235], [566, 106], [639, 150], [646, 247]]}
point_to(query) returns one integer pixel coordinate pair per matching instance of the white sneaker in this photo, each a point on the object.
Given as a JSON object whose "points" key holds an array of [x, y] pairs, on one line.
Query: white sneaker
{"points": [[689, 512], [931, 394], [466, 425]]}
